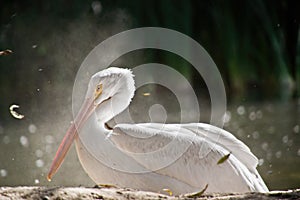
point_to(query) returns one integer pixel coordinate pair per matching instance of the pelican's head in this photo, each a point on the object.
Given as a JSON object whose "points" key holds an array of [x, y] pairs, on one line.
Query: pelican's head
{"points": [[109, 93], [109, 83]]}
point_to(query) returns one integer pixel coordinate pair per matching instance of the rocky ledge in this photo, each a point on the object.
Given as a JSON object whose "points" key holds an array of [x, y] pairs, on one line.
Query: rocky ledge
{"points": [[61, 193]]}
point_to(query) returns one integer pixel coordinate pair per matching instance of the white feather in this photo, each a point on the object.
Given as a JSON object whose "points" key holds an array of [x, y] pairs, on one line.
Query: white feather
{"points": [[180, 152]]}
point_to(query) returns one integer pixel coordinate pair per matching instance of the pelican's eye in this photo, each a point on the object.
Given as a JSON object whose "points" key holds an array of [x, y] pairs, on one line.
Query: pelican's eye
{"points": [[98, 91]]}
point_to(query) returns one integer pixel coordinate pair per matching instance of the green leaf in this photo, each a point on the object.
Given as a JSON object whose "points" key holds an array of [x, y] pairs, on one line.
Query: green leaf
{"points": [[198, 194], [223, 159]]}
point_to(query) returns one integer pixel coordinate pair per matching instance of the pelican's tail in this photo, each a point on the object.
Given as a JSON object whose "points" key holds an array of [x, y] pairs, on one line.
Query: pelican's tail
{"points": [[259, 184]]}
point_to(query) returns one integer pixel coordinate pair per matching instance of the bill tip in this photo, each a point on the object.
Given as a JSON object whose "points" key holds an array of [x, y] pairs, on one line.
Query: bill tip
{"points": [[49, 178]]}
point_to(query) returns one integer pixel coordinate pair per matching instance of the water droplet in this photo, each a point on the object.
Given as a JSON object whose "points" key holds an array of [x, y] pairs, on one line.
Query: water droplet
{"points": [[39, 153], [278, 154], [296, 129], [49, 139], [36, 181], [34, 46], [97, 7], [252, 116], [255, 135], [241, 110], [290, 143], [39, 163], [227, 116], [261, 162], [3, 172], [6, 139], [38, 89], [40, 69], [24, 141], [298, 152], [265, 146], [32, 128], [285, 139]]}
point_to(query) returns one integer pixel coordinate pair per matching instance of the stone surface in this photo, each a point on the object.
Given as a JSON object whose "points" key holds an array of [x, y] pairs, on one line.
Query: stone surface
{"points": [[61, 193]]}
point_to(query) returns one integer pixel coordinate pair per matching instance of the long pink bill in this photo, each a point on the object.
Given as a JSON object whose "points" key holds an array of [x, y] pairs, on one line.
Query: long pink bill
{"points": [[84, 113]]}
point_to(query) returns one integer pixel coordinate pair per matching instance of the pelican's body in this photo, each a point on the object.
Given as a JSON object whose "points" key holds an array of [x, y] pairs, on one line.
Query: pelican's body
{"points": [[150, 156]]}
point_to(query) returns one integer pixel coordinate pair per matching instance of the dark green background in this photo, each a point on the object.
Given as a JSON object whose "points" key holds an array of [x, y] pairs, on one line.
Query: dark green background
{"points": [[254, 43]]}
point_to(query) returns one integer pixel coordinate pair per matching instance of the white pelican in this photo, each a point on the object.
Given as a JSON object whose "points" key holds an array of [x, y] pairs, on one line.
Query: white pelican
{"points": [[182, 158]]}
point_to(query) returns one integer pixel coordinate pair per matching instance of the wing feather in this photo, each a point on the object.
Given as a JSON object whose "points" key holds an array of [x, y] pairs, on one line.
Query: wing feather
{"points": [[226, 140], [189, 153]]}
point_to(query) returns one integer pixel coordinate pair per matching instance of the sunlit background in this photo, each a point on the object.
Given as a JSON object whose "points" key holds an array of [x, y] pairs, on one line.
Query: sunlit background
{"points": [[254, 43]]}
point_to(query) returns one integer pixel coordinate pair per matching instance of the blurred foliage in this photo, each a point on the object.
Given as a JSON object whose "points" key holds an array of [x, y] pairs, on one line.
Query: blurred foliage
{"points": [[255, 44]]}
